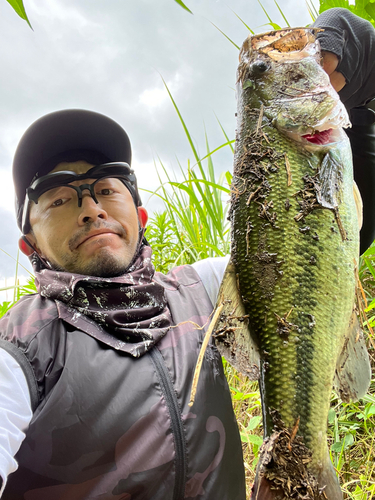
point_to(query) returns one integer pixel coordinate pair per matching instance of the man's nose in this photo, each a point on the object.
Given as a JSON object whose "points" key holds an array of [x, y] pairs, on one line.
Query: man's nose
{"points": [[90, 211]]}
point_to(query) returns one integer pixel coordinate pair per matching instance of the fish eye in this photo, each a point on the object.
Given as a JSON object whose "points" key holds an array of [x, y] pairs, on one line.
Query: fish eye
{"points": [[257, 68]]}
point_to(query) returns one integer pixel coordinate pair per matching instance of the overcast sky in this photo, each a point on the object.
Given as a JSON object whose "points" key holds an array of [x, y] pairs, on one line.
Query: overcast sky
{"points": [[110, 56]]}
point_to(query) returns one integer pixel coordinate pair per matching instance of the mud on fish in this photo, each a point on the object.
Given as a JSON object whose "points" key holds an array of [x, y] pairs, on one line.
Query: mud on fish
{"points": [[295, 243]]}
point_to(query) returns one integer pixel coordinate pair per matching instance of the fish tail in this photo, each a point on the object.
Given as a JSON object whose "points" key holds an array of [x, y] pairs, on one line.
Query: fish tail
{"points": [[283, 471], [329, 483]]}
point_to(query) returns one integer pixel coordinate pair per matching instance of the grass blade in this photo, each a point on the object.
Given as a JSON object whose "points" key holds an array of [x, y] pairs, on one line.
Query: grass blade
{"points": [[243, 22], [282, 13], [20, 9], [183, 124], [312, 10], [229, 142], [210, 153], [183, 5], [270, 22], [227, 37], [370, 266], [17, 262]]}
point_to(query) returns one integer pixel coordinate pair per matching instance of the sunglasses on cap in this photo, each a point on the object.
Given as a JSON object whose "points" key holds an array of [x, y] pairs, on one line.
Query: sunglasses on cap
{"points": [[116, 170]]}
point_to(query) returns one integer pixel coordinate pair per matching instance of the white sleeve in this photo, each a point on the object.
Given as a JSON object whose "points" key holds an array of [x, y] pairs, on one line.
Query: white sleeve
{"points": [[211, 272], [15, 412]]}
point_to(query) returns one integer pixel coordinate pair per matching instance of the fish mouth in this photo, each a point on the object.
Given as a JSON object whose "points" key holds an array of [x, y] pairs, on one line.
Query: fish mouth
{"points": [[325, 132], [319, 137]]}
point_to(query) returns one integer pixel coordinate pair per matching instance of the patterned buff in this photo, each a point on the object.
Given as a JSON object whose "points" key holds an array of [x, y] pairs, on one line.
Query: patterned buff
{"points": [[130, 312]]}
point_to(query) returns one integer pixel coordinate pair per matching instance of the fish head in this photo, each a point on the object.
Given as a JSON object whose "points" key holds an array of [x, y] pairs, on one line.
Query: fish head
{"points": [[282, 72]]}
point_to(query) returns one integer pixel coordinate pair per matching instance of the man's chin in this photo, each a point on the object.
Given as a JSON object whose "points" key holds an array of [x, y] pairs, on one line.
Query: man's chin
{"points": [[104, 265]]}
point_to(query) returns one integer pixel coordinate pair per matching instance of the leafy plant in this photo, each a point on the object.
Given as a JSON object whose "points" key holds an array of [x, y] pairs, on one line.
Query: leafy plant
{"points": [[361, 8], [19, 291], [161, 236], [195, 213]]}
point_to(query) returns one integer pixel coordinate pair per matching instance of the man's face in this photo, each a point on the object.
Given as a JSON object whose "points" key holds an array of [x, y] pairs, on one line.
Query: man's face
{"points": [[94, 239]]}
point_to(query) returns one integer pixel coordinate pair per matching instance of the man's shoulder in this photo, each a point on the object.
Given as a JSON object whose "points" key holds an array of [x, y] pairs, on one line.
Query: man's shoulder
{"points": [[209, 272], [200, 270], [183, 275], [27, 317], [212, 266]]}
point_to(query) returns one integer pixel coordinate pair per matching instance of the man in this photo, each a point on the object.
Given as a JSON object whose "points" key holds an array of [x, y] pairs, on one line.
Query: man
{"points": [[99, 363]]}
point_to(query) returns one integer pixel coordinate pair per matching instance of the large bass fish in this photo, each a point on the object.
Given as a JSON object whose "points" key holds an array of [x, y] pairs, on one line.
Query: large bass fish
{"points": [[295, 244]]}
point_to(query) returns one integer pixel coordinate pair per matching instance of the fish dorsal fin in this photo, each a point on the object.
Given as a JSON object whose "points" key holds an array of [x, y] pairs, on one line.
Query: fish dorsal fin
{"points": [[353, 369], [231, 332]]}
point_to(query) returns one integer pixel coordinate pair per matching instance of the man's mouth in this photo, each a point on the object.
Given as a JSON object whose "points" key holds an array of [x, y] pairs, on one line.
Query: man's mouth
{"points": [[95, 230], [95, 234]]}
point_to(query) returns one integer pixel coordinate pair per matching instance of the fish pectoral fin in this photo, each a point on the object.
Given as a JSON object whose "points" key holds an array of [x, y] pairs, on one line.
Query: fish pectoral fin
{"points": [[231, 331], [353, 369], [358, 204], [330, 181]]}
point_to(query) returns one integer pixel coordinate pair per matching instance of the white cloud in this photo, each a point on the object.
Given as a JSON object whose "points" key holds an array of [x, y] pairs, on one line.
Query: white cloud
{"points": [[153, 97], [51, 10], [7, 191]]}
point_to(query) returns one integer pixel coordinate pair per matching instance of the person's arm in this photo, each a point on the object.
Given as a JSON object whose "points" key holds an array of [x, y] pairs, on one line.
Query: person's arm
{"points": [[15, 413], [211, 272], [330, 62]]}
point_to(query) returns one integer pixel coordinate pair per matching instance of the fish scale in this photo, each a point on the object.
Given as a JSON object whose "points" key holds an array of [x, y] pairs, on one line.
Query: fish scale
{"points": [[295, 265]]}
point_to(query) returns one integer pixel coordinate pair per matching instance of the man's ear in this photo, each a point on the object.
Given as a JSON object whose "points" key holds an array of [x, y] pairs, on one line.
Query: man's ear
{"points": [[142, 216], [27, 247]]}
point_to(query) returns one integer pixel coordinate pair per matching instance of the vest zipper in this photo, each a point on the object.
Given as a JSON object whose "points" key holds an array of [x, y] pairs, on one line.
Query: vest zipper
{"points": [[176, 422]]}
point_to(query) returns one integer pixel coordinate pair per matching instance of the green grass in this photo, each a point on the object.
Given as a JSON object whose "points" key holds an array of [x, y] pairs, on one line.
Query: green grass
{"points": [[193, 224]]}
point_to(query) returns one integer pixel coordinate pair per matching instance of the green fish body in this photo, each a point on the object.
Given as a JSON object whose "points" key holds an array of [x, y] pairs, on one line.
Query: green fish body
{"points": [[295, 237]]}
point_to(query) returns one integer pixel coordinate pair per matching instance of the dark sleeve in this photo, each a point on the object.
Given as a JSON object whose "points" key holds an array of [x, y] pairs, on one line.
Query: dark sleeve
{"points": [[362, 140], [352, 39]]}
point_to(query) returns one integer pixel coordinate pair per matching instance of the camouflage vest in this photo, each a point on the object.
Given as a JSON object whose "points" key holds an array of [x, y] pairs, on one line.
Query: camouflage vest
{"points": [[111, 426]]}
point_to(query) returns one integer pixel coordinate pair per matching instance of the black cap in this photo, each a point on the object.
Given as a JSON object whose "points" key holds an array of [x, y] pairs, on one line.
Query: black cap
{"points": [[60, 132]]}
